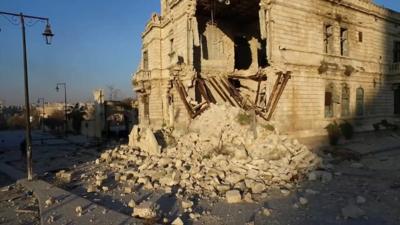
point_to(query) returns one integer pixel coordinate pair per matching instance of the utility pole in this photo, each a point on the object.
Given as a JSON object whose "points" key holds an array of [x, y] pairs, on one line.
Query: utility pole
{"points": [[48, 35]]}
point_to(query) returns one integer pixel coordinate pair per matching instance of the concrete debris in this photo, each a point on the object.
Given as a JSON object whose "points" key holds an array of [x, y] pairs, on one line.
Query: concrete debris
{"points": [[91, 188], [187, 204], [177, 221], [233, 196], [208, 163], [50, 201], [361, 200], [266, 212], [64, 176], [145, 210], [352, 211], [132, 203], [79, 211], [303, 201]]}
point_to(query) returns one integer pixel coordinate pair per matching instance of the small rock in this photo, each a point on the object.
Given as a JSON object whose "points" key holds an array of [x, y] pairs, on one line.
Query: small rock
{"points": [[128, 190], [352, 211], [145, 210], [79, 210], [233, 196], [311, 192], [49, 202], [266, 212], [91, 188], [132, 203], [285, 192], [303, 201], [177, 221], [361, 200], [187, 204], [50, 219], [248, 198]]}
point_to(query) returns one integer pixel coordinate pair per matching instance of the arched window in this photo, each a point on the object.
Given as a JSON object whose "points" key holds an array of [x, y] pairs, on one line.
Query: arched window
{"points": [[360, 101], [345, 101], [329, 99]]}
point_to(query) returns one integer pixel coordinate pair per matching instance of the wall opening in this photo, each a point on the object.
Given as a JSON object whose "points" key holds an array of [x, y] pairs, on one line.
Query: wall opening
{"points": [[360, 101], [146, 60], [230, 36], [328, 39], [243, 57], [262, 54], [329, 101], [397, 100], [396, 52], [345, 101], [344, 41], [146, 106]]}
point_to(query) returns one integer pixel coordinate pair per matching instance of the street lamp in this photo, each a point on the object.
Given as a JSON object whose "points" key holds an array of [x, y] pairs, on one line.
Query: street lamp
{"points": [[65, 105], [43, 102], [48, 34]]}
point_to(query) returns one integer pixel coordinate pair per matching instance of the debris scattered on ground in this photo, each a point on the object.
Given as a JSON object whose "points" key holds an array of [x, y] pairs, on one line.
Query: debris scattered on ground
{"points": [[64, 176], [237, 155], [233, 196], [145, 210], [50, 201], [177, 221], [79, 211], [303, 201], [266, 212]]}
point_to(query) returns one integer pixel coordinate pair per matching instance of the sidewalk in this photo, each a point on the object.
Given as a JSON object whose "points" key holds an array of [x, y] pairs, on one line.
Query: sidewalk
{"points": [[63, 210]]}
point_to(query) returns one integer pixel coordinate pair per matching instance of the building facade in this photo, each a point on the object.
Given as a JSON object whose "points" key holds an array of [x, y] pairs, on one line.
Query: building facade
{"points": [[343, 56]]}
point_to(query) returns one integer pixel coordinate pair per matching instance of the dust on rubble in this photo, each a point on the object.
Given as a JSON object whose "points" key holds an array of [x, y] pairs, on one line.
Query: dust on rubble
{"points": [[222, 150]]}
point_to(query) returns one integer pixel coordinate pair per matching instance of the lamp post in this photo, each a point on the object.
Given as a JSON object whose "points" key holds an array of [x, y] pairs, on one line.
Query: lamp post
{"points": [[43, 102], [65, 105], [48, 35]]}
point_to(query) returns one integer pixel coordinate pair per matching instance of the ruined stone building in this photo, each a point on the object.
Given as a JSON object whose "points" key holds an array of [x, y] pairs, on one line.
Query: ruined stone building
{"points": [[343, 58]]}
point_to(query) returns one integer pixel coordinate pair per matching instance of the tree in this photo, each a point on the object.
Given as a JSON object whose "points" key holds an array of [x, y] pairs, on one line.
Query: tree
{"points": [[77, 116], [55, 120]]}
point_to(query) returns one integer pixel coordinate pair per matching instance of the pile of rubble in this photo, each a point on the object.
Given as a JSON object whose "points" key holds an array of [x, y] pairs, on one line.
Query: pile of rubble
{"points": [[223, 153]]}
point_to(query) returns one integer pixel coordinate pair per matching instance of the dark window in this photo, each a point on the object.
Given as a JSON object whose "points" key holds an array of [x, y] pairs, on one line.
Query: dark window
{"points": [[145, 60], [171, 46], [329, 103], [360, 101], [397, 101], [262, 54], [344, 42], [345, 101], [360, 37], [328, 39], [146, 106], [243, 57], [396, 52]]}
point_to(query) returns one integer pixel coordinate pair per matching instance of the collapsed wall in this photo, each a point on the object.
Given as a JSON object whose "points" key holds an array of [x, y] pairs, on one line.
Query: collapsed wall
{"points": [[223, 149]]}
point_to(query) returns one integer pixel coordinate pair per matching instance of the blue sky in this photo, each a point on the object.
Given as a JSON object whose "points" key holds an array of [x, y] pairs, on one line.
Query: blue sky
{"points": [[97, 43]]}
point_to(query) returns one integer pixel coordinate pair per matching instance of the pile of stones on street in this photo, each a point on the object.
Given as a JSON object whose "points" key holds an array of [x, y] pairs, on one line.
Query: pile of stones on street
{"points": [[223, 153]]}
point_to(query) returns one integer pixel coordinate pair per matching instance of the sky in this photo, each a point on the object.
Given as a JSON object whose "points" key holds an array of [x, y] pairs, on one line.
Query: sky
{"points": [[96, 44]]}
